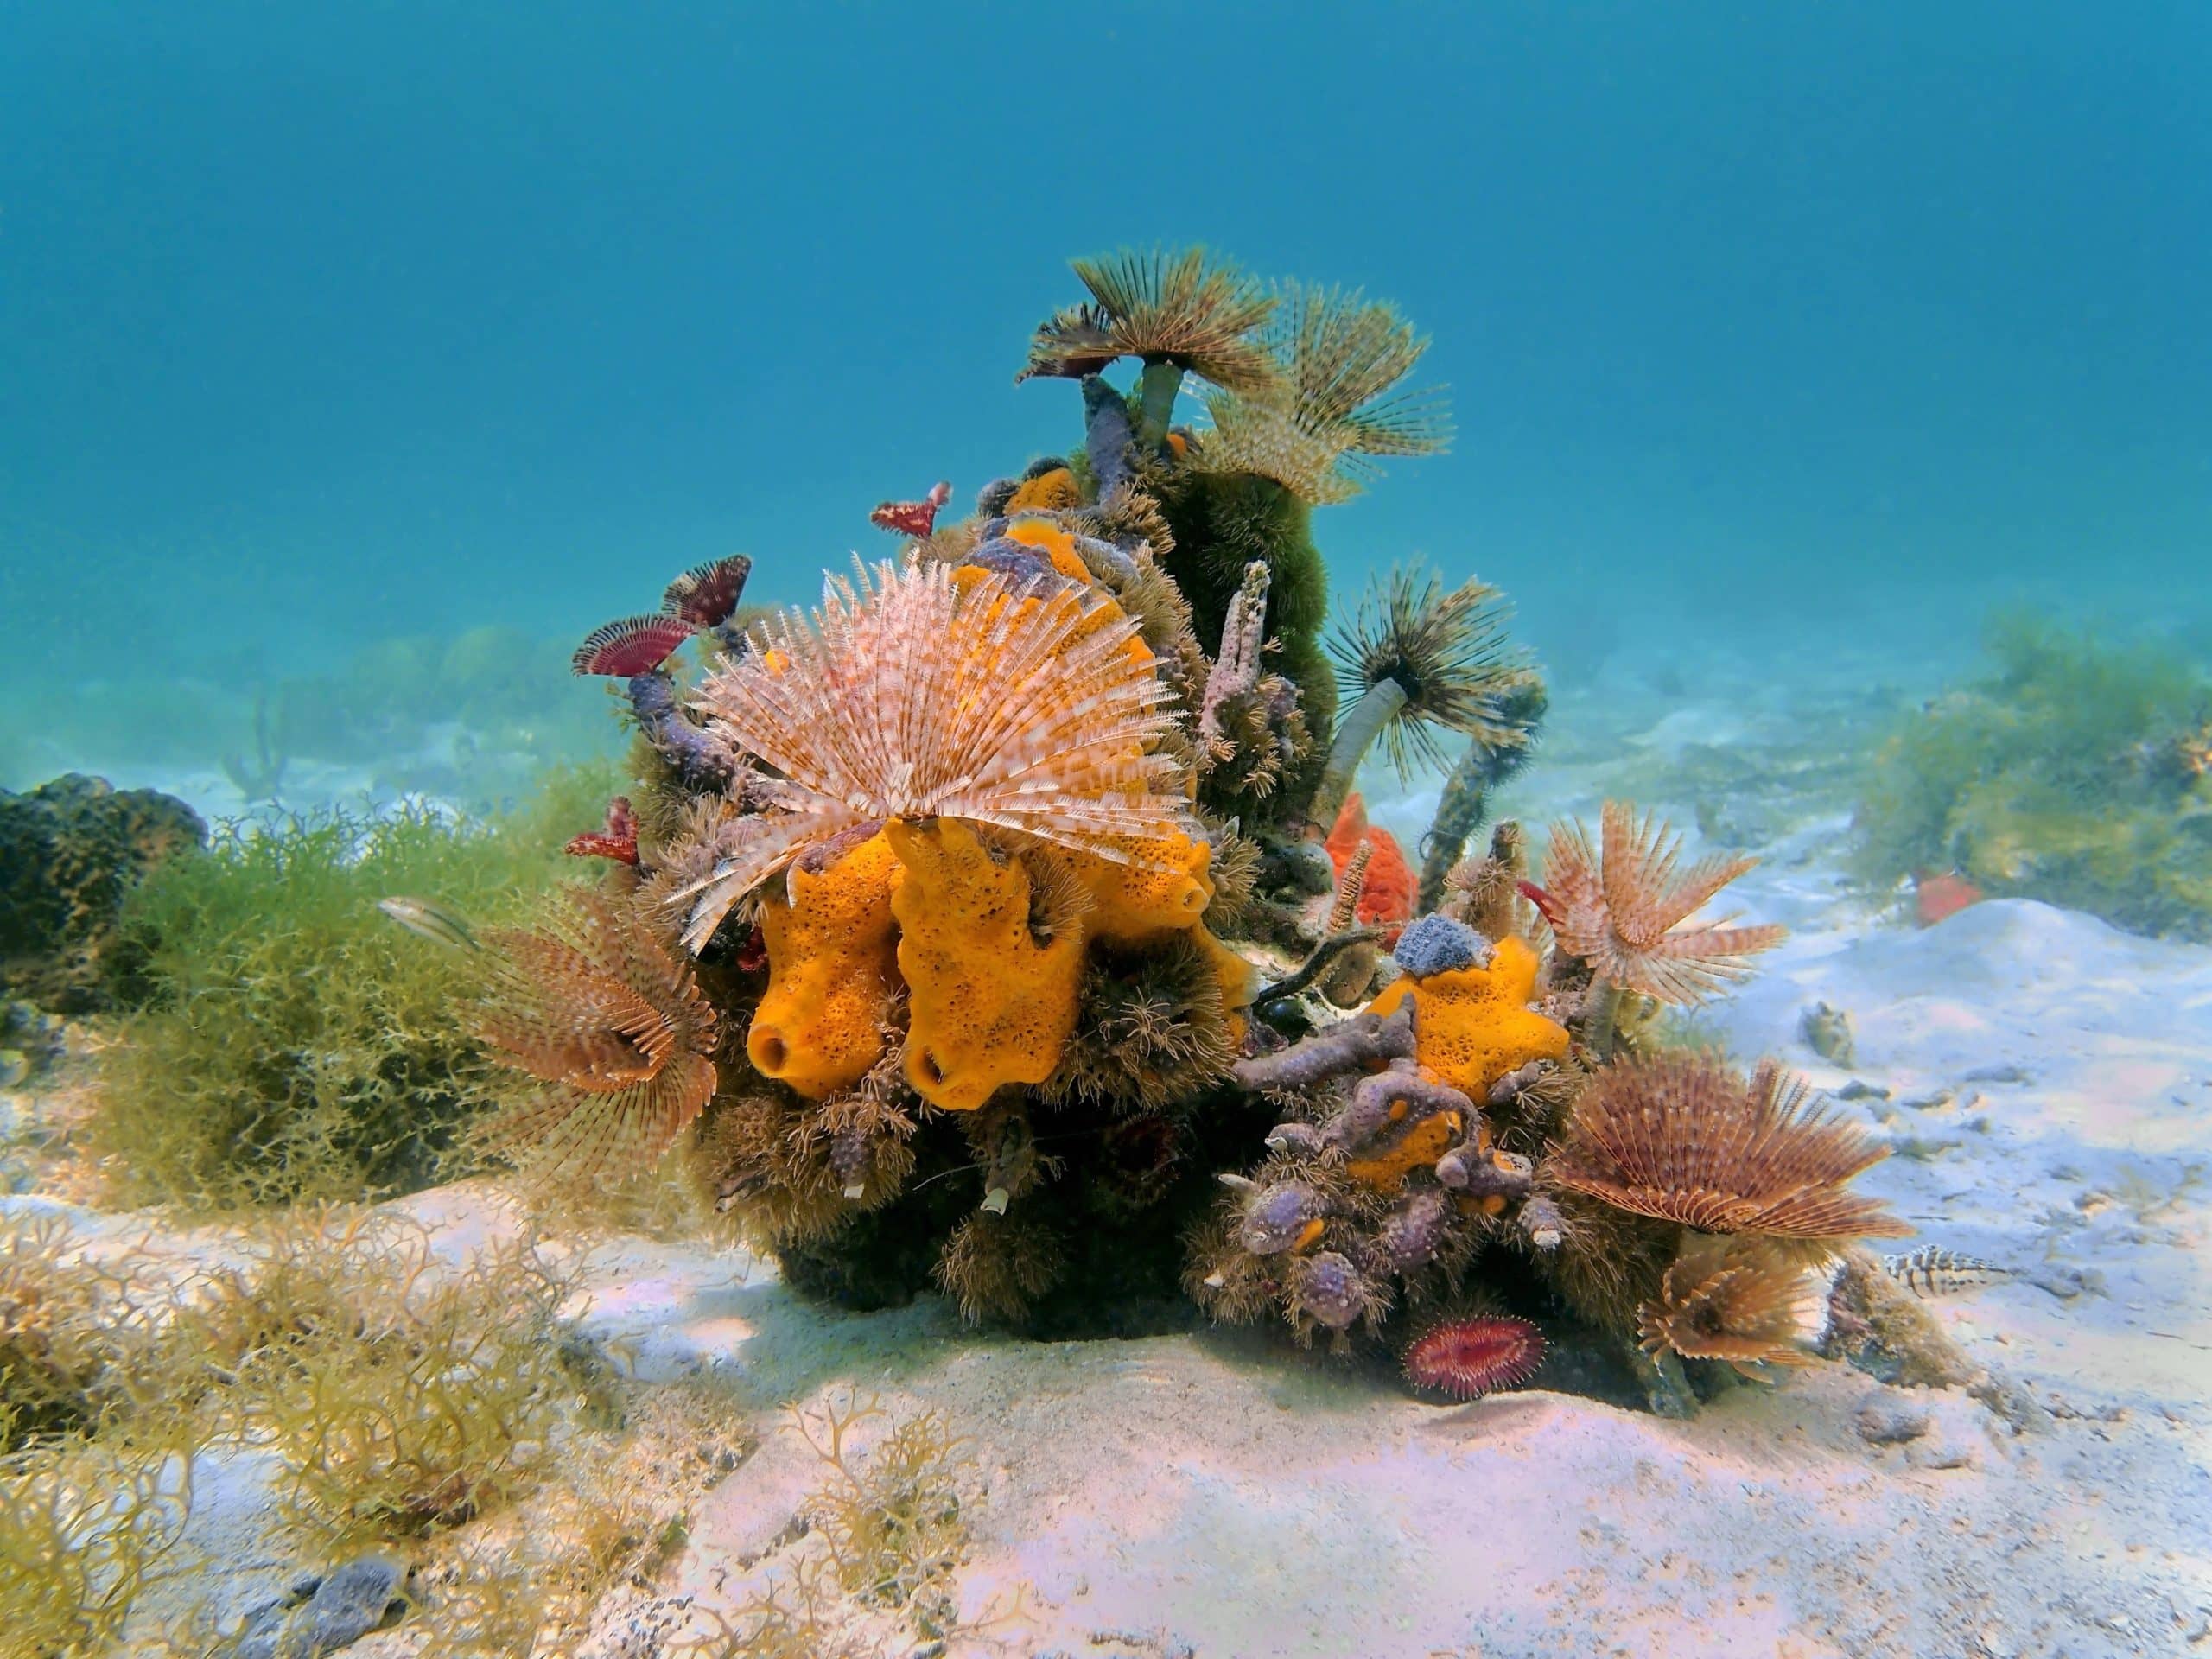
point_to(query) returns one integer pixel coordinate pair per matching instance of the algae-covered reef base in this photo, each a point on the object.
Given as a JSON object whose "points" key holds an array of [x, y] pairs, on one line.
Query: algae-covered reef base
{"points": [[2073, 771]]}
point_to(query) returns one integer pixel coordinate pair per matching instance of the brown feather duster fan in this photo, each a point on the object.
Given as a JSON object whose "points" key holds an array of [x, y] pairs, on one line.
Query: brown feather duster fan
{"points": [[1747, 1303], [607, 1015], [1686, 1138]]}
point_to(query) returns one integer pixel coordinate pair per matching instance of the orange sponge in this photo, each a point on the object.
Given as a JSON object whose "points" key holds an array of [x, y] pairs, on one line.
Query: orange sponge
{"points": [[1056, 544], [1471, 1026], [1132, 901], [1053, 491], [988, 1005], [832, 965]]}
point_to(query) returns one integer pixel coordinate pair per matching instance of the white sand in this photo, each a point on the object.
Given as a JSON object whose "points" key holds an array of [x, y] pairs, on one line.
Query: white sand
{"points": [[1251, 1502]]}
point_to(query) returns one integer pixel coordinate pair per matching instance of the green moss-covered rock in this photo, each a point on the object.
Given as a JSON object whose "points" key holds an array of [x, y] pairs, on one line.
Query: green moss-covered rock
{"points": [[71, 851], [2074, 772], [1221, 523]]}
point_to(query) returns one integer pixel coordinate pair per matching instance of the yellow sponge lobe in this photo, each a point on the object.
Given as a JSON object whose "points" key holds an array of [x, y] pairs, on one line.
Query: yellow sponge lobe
{"points": [[986, 1004], [1471, 1026], [832, 966], [1053, 491], [1165, 887]]}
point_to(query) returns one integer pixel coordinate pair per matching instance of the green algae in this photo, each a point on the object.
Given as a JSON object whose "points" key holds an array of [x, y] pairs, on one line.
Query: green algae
{"points": [[2065, 773], [296, 1044]]}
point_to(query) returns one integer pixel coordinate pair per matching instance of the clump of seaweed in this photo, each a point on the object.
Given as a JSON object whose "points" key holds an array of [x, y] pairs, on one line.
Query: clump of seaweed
{"points": [[2074, 770], [403, 1391], [894, 1522], [75, 1336], [84, 1525], [298, 1047]]}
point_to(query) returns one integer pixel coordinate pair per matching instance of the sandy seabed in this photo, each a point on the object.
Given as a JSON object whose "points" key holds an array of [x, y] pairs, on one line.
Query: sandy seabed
{"points": [[2045, 1084]]}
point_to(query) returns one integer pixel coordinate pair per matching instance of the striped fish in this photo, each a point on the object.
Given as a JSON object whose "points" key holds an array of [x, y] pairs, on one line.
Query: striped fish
{"points": [[1932, 1270]]}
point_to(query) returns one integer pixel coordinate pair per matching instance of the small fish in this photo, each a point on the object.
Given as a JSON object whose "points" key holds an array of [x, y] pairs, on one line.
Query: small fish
{"points": [[914, 518], [706, 595], [633, 645], [618, 842], [1936, 897], [1932, 1270], [432, 922]]}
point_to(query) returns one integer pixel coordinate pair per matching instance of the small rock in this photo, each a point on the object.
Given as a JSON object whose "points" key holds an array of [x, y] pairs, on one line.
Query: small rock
{"points": [[1860, 1089], [1939, 1454], [1935, 1102], [1997, 1074], [322, 1615], [1827, 1033], [15, 1067], [2067, 1283], [1890, 1420]]}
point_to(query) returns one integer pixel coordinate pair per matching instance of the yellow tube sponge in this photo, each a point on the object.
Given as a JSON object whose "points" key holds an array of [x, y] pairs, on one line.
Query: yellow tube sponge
{"points": [[1471, 1026], [832, 966], [1168, 891], [986, 1004]]}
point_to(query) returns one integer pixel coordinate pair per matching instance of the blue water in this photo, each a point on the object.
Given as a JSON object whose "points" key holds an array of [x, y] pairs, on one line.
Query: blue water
{"points": [[322, 326]]}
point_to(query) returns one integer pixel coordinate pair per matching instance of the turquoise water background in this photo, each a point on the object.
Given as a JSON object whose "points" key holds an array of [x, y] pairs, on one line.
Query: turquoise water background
{"points": [[1769, 328]]}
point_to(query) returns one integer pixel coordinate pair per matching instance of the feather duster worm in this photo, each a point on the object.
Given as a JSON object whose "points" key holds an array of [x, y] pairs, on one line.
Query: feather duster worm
{"points": [[619, 840], [606, 1015], [1685, 1138], [912, 519], [909, 697], [1340, 356], [1467, 1358], [707, 594], [630, 647], [1749, 1306], [1626, 913]]}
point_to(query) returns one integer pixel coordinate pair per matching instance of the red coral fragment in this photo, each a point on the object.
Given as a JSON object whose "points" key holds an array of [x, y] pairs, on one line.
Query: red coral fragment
{"points": [[706, 595], [914, 518], [618, 842], [1936, 897], [1547, 907], [1388, 896], [1466, 1358], [635, 644]]}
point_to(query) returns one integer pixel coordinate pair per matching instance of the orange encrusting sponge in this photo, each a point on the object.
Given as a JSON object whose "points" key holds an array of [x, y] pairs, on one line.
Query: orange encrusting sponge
{"points": [[1471, 1026], [832, 966]]}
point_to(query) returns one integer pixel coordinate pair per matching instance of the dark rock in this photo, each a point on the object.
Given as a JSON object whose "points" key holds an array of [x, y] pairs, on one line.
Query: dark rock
{"points": [[321, 1615], [70, 851]]}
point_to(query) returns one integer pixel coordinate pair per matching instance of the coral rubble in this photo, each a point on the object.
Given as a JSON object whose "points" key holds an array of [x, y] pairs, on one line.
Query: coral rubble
{"points": [[70, 853]]}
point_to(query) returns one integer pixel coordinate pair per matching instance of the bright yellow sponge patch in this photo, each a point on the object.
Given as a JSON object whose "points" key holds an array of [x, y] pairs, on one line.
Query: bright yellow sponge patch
{"points": [[986, 1004], [1054, 491], [1167, 890], [1472, 1025], [832, 965], [1057, 545]]}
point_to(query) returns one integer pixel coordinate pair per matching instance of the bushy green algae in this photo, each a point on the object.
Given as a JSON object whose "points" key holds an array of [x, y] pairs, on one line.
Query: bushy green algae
{"points": [[2066, 773], [299, 1045]]}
